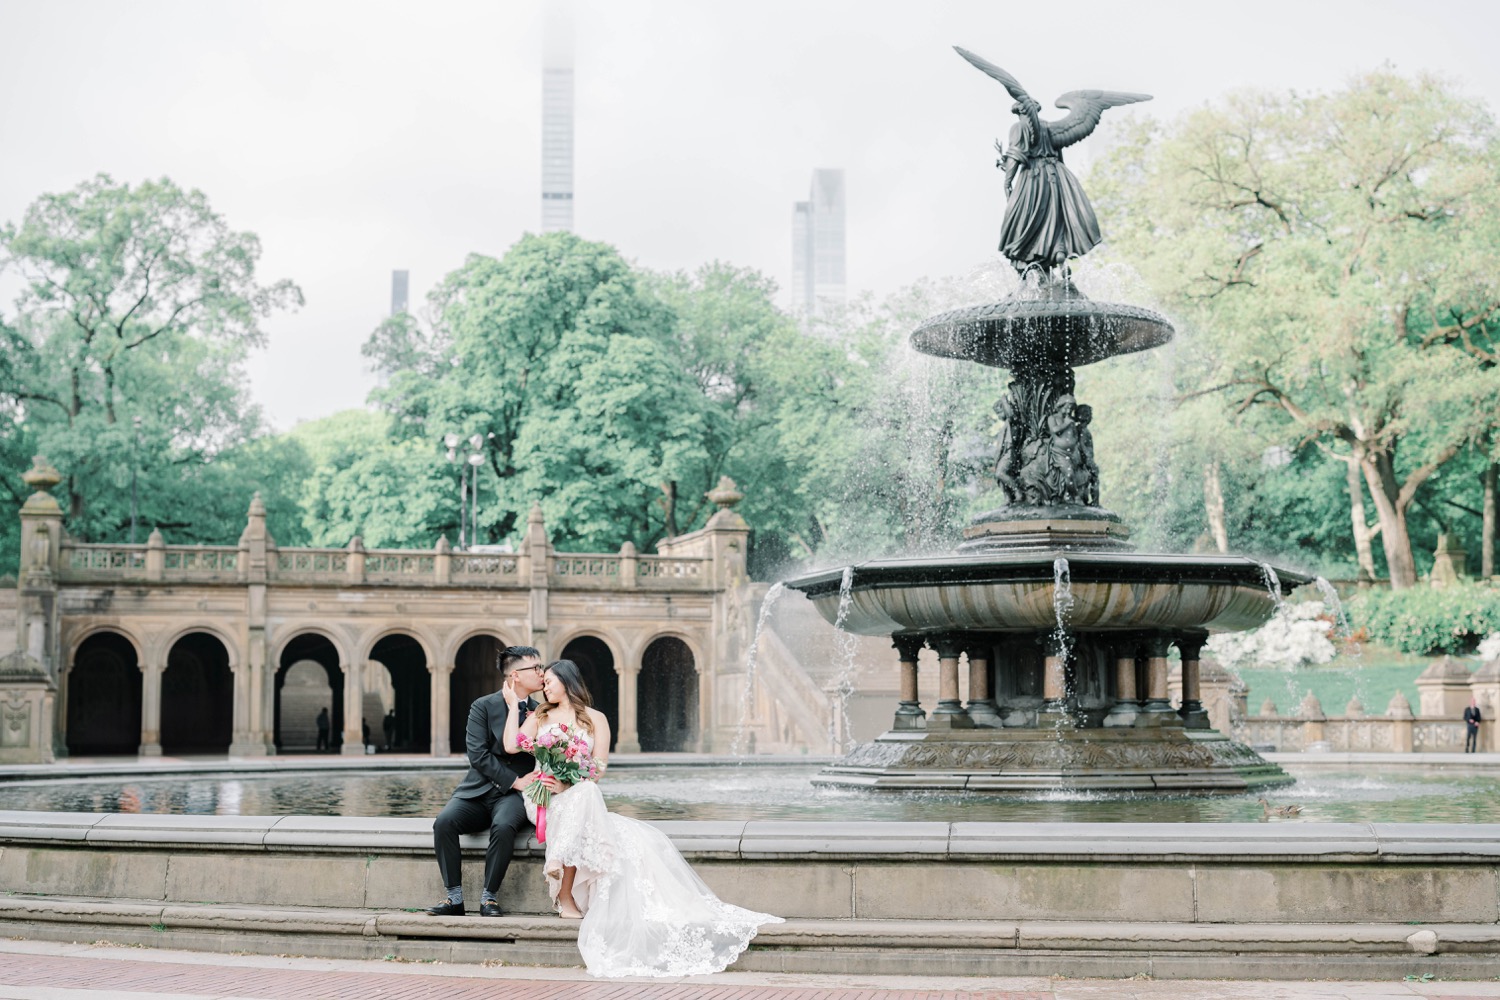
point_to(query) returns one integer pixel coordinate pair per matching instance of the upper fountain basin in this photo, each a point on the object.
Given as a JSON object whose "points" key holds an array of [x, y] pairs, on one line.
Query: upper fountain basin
{"points": [[1013, 592], [1042, 330]]}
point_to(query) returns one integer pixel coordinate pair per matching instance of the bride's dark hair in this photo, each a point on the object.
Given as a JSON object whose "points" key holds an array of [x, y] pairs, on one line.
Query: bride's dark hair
{"points": [[571, 677]]}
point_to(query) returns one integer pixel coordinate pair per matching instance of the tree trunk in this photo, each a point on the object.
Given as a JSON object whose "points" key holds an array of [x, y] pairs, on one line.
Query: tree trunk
{"points": [[669, 504], [1363, 533], [1213, 506], [1487, 545], [1384, 490]]}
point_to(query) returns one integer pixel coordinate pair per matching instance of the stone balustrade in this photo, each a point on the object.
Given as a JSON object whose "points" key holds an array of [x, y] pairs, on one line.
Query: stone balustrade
{"points": [[154, 562]]}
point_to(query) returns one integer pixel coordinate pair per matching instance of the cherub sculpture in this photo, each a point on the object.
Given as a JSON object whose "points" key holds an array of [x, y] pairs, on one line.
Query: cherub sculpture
{"points": [[1048, 218]]}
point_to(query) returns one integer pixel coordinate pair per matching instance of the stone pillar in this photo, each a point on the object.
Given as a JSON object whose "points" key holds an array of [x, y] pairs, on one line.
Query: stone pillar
{"points": [[442, 562], [1313, 719], [1054, 710], [538, 561], [1194, 716], [1402, 723], [33, 671], [156, 556], [254, 734], [630, 566], [629, 740], [949, 713], [1484, 685], [441, 679], [1126, 708], [982, 707], [909, 714], [151, 672], [1157, 710], [354, 699]]}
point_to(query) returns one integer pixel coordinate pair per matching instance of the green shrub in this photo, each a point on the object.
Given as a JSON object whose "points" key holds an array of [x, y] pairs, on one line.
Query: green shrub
{"points": [[1427, 621]]}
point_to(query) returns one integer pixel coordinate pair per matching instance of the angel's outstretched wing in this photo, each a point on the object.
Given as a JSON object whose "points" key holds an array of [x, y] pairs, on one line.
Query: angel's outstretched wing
{"points": [[1011, 83], [1085, 107]]}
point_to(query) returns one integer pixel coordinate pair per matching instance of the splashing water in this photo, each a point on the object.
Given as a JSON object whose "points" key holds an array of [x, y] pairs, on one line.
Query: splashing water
{"points": [[1062, 599], [736, 747], [843, 687], [1273, 584], [1335, 607]]}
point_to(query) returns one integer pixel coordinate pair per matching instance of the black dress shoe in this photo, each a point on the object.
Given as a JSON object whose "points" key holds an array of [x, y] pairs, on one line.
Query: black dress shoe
{"points": [[490, 910], [446, 909]]}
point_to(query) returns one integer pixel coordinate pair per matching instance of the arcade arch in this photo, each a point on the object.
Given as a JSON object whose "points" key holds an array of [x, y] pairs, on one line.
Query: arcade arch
{"points": [[667, 696], [197, 696], [104, 696], [476, 673], [301, 693], [597, 664], [404, 688]]}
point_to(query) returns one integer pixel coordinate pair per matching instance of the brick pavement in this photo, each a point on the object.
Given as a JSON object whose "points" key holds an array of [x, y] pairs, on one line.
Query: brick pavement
{"points": [[134, 975]]}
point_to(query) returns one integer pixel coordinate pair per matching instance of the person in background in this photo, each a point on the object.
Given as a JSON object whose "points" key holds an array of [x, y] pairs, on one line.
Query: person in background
{"points": [[322, 723], [1472, 720]]}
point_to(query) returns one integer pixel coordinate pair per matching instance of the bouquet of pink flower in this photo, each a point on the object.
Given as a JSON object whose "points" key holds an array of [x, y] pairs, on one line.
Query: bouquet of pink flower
{"points": [[563, 753]]}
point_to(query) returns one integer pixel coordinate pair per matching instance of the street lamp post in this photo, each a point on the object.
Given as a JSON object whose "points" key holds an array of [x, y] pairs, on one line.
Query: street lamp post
{"points": [[468, 485], [451, 442], [135, 463]]}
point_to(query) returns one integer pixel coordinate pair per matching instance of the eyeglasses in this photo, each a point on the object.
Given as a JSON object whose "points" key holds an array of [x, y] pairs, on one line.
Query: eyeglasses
{"points": [[535, 666]]}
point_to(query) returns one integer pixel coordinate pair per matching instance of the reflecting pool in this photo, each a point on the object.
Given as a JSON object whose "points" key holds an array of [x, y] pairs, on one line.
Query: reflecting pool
{"points": [[781, 792]]}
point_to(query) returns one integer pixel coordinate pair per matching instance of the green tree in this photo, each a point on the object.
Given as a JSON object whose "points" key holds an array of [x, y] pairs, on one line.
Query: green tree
{"points": [[124, 359], [1300, 235]]}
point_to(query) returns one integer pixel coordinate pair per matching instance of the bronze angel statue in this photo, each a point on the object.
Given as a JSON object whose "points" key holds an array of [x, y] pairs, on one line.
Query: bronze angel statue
{"points": [[1048, 218]]}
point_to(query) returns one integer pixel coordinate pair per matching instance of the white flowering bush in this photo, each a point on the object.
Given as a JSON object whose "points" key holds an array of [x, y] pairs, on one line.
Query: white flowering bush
{"points": [[1489, 647], [1296, 636]]}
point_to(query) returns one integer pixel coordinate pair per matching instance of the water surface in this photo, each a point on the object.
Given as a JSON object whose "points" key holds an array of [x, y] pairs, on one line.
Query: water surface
{"points": [[729, 792]]}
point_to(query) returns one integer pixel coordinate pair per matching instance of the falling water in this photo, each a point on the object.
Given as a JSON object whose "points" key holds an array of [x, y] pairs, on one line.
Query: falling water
{"points": [[1062, 598], [1335, 607], [1273, 584], [1343, 636], [844, 642], [751, 657]]}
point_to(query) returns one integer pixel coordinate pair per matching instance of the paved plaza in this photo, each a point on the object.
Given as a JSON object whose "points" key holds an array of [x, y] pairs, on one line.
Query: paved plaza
{"points": [[32, 970]]}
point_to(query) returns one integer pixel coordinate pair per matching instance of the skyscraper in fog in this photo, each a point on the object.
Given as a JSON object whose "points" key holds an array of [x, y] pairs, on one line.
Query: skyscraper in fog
{"points": [[818, 246], [399, 284], [557, 120]]}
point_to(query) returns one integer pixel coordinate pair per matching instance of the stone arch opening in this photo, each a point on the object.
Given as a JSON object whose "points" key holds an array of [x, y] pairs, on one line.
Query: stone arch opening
{"points": [[667, 697], [476, 673], [597, 664], [301, 694], [403, 691], [104, 697], [197, 696]]}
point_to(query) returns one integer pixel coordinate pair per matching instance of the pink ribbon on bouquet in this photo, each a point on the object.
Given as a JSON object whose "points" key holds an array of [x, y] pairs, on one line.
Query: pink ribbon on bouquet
{"points": [[541, 824]]}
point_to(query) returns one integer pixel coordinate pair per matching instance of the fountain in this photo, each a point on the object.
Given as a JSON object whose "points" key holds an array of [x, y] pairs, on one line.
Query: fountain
{"points": [[1067, 630]]}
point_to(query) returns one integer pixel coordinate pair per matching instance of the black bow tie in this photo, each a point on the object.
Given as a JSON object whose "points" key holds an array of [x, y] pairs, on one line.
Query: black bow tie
{"points": [[524, 709]]}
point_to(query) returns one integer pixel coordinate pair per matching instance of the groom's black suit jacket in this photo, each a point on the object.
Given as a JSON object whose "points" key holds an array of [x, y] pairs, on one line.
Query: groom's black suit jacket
{"points": [[489, 765]]}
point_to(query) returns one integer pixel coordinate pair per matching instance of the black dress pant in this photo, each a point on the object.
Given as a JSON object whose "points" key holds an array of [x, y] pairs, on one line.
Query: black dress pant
{"points": [[503, 814], [1471, 740]]}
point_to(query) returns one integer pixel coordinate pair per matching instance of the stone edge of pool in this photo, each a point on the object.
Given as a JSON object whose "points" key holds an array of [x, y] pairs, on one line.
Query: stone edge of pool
{"points": [[1274, 900]]}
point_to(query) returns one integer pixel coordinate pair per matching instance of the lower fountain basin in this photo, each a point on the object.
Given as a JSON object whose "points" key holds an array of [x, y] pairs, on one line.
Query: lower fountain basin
{"points": [[1014, 591]]}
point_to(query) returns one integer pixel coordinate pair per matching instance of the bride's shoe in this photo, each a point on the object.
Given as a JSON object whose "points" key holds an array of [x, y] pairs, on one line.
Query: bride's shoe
{"points": [[568, 910]]}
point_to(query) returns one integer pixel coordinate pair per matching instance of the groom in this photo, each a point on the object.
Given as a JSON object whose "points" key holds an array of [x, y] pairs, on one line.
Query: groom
{"points": [[489, 796]]}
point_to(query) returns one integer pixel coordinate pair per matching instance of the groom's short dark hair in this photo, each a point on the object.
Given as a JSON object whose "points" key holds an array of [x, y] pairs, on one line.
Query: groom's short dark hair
{"points": [[510, 655]]}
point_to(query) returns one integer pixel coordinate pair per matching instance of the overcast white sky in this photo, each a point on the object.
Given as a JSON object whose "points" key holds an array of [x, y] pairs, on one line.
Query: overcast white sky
{"points": [[359, 137]]}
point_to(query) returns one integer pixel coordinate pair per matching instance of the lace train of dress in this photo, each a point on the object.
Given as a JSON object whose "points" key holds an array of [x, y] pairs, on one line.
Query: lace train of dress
{"points": [[645, 911]]}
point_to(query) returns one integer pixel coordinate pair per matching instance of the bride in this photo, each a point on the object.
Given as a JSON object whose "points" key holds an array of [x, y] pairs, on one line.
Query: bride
{"points": [[645, 912]]}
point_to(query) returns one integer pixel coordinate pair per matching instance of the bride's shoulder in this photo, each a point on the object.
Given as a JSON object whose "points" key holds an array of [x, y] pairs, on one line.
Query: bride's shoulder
{"points": [[598, 718]]}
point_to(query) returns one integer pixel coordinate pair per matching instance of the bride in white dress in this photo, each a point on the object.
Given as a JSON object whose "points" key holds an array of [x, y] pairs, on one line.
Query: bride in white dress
{"points": [[645, 912]]}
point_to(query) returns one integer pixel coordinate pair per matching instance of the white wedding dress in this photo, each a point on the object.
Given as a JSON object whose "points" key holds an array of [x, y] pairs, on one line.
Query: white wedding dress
{"points": [[645, 911]]}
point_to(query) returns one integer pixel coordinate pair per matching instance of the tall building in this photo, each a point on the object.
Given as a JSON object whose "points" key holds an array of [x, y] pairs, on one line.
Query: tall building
{"points": [[557, 120], [818, 279], [399, 285]]}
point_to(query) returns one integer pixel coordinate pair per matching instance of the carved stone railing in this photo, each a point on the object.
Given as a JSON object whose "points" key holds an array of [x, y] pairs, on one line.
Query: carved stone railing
{"points": [[200, 562], [481, 569], [1373, 733], [355, 566], [671, 572], [103, 562], [578, 571], [413, 568], [311, 566]]}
